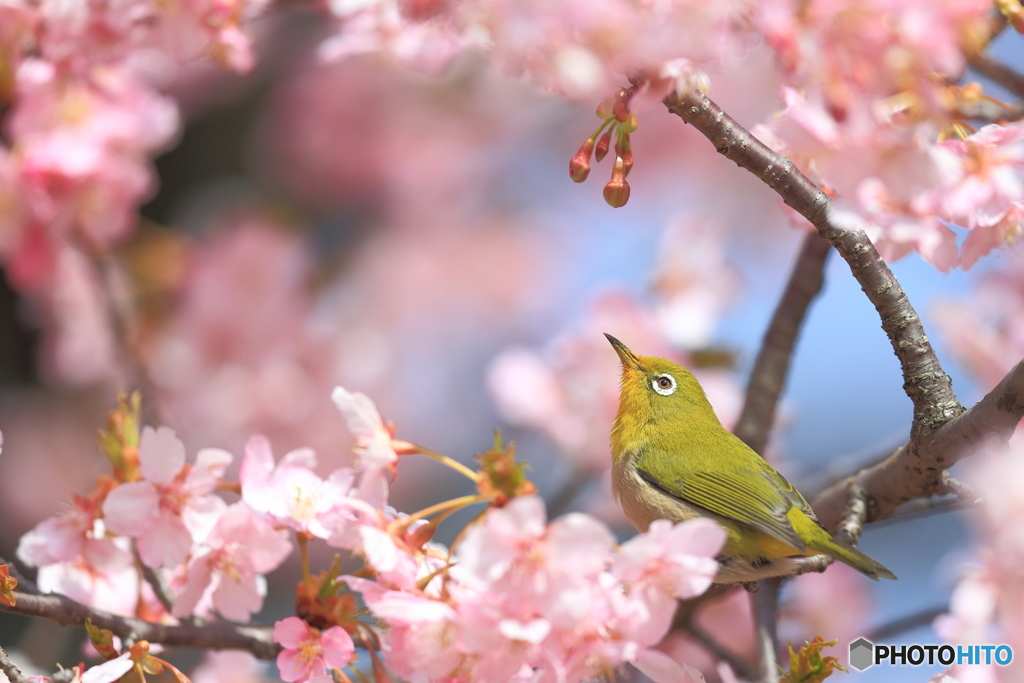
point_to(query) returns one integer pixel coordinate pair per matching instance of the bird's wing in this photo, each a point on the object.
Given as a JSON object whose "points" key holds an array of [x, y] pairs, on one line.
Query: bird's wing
{"points": [[759, 499]]}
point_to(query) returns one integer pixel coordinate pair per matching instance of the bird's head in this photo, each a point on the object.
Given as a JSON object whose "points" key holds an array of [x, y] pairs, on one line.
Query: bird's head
{"points": [[657, 394]]}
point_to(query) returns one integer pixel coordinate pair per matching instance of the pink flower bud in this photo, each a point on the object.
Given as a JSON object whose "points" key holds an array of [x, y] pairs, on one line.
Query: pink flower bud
{"points": [[616, 192], [602, 145], [579, 167]]}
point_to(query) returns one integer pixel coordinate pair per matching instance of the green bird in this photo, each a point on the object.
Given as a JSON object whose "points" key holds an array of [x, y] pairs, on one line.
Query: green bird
{"points": [[672, 459]]}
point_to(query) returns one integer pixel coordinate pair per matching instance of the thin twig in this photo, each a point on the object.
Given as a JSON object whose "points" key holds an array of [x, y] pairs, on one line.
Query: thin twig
{"points": [[566, 495], [856, 511], [738, 664], [8, 667], [964, 492], [212, 635], [1000, 73], [924, 507], [908, 623], [772, 365], [24, 585], [153, 579], [989, 112], [766, 603]]}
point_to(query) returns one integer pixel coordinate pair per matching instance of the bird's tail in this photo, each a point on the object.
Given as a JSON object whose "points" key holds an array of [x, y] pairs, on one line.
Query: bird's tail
{"points": [[818, 539]]}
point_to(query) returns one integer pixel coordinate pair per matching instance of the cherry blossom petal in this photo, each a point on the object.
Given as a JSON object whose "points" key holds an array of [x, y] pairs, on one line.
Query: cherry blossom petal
{"points": [[208, 470], [338, 647], [131, 508], [109, 671], [166, 543], [161, 455], [289, 632], [197, 580], [661, 668]]}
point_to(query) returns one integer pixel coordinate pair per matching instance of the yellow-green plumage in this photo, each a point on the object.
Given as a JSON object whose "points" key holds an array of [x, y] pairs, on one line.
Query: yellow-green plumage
{"points": [[672, 459]]}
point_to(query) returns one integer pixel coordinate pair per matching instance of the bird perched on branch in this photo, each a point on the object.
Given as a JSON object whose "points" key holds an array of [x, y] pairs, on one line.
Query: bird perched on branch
{"points": [[672, 459]]}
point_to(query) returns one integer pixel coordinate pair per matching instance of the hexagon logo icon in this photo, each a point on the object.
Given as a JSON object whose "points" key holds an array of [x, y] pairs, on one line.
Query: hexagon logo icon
{"points": [[861, 654]]}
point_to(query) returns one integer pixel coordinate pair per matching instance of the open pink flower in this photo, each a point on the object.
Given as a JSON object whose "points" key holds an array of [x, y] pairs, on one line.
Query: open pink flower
{"points": [[308, 652], [228, 572], [373, 438], [170, 507], [290, 492]]}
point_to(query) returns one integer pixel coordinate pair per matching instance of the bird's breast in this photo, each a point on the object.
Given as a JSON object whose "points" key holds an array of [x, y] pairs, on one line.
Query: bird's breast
{"points": [[643, 503]]}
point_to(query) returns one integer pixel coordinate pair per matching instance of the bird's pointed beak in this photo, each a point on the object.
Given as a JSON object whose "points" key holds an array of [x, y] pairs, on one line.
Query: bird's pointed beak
{"points": [[628, 358]]}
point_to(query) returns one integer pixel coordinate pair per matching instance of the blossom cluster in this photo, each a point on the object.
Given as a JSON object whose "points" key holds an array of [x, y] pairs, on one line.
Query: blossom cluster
{"points": [[871, 111], [517, 598], [580, 48], [986, 605], [80, 88]]}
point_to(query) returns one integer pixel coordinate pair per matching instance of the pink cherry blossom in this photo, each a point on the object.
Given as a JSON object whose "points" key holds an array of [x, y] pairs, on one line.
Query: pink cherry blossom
{"points": [[986, 331], [526, 596], [66, 536], [290, 493], [575, 47], [109, 671], [373, 438], [170, 507], [112, 586], [308, 652], [661, 668], [227, 571], [229, 666]]}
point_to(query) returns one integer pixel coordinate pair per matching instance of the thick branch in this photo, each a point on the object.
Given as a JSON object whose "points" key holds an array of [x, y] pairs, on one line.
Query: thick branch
{"points": [[917, 468], [928, 387], [214, 636], [772, 365]]}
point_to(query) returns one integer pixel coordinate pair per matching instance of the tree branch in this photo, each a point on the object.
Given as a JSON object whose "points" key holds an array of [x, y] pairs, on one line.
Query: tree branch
{"points": [[13, 673], [998, 72], [941, 433], [772, 365], [928, 387], [917, 468], [213, 635]]}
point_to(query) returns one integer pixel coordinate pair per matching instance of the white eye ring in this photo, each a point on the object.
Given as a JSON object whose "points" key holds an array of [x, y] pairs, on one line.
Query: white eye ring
{"points": [[665, 389]]}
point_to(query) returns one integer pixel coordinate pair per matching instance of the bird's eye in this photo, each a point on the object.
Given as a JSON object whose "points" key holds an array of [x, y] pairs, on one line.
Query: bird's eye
{"points": [[664, 384]]}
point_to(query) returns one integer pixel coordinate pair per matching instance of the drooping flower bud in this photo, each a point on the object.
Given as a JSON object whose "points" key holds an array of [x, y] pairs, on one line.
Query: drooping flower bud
{"points": [[602, 145], [625, 150], [579, 167], [604, 110], [616, 192]]}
